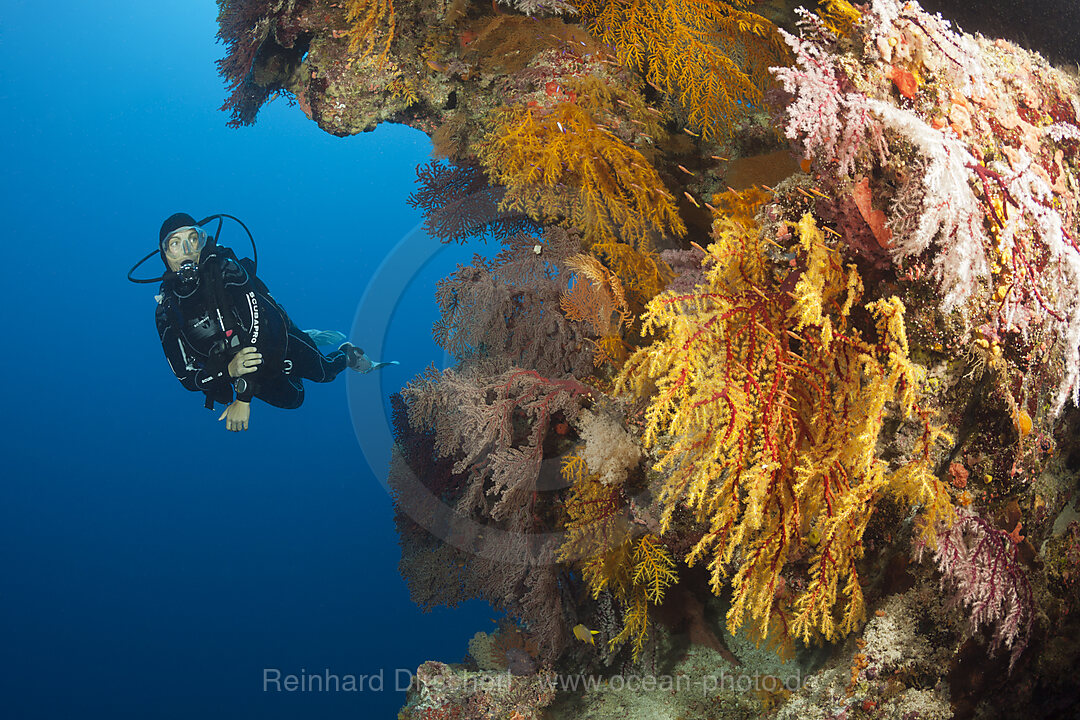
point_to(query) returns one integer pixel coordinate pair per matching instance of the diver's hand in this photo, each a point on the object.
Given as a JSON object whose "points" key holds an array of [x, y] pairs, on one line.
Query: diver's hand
{"points": [[246, 361], [236, 416]]}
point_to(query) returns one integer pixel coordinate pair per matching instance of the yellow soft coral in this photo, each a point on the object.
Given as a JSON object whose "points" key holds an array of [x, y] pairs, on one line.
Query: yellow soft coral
{"points": [[561, 165], [712, 55], [636, 571], [771, 405], [839, 16], [368, 19], [654, 568], [597, 529]]}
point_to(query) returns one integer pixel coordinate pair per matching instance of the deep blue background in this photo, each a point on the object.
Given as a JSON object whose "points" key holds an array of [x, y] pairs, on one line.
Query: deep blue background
{"points": [[152, 564]]}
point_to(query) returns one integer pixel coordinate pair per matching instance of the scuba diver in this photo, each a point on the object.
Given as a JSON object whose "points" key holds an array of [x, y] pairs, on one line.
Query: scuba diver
{"points": [[222, 331]]}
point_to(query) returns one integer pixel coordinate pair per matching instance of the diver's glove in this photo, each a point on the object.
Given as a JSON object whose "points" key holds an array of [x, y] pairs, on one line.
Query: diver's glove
{"points": [[360, 362]]}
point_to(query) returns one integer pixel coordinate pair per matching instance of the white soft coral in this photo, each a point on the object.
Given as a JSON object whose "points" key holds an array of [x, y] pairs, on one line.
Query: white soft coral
{"points": [[609, 451]]}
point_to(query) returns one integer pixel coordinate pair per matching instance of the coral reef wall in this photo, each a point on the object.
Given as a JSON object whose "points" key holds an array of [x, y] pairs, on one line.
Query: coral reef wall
{"points": [[767, 399]]}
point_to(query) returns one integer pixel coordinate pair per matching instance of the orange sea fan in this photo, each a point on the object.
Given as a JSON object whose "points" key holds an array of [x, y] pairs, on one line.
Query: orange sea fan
{"points": [[597, 298]]}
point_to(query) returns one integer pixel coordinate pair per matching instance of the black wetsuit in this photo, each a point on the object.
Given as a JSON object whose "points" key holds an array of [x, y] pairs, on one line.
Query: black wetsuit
{"points": [[204, 322]]}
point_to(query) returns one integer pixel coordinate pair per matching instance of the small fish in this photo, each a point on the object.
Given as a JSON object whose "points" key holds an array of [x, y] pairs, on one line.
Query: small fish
{"points": [[691, 198], [584, 634], [684, 170]]}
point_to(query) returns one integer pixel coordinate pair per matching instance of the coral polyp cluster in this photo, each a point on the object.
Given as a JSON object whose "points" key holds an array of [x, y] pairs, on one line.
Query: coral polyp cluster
{"points": [[774, 372]]}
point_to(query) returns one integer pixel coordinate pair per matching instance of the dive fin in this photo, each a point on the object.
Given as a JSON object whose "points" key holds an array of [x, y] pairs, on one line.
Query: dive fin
{"points": [[325, 337], [359, 361]]}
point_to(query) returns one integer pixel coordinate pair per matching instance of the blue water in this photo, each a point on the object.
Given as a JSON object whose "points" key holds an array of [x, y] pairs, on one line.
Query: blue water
{"points": [[152, 564]]}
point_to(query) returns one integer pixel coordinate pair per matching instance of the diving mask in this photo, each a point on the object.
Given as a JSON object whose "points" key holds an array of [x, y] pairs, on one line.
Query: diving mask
{"points": [[183, 246]]}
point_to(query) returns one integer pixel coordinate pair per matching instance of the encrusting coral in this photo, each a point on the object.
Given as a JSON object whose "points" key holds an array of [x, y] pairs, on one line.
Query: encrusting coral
{"points": [[831, 406]]}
